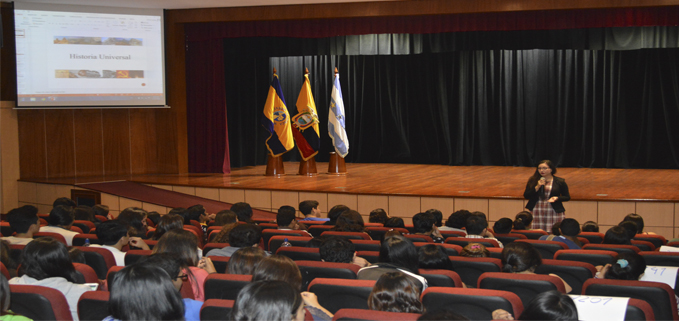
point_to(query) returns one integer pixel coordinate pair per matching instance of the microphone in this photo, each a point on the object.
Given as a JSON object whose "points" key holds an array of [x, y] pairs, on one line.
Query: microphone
{"points": [[541, 190]]}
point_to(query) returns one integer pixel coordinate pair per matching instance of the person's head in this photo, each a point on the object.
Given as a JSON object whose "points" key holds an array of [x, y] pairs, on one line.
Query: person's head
{"points": [[244, 260], [64, 201], [475, 250], [170, 263], [24, 219], [628, 266], [395, 292], [432, 256], [523, 220], [630, 227], [144, 292], [178, 211], [61, 216], [400, 251], [112, 232], [279, 268], [503, 226], [45, 257], [590, 226], [458, 219], [336, 211], [556, 228], [350, 221], [154, 217], [616, 235], [309, 208], [268, 300], [135, 219], [636, 218], [225, 217], [519, 257], [476, 225], [84, 213], [76, 255], [244, 235], [395, 222], [378, 215], [286, 216], [100, 209], [570, 227], [243, 211], [544, 168], [196, 213], [180, 242], [438, 215], [423, 222], [550, 305], [167, 223], [337, 249]]}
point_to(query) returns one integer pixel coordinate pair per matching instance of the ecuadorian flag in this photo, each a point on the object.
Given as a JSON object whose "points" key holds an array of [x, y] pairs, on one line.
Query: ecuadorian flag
{"points": [[276, 120], [305, 123]]}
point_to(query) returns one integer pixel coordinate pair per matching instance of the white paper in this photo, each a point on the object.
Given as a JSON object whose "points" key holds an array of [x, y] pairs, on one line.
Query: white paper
{"points": [[662, 274], [598, 308], [666, 248]]}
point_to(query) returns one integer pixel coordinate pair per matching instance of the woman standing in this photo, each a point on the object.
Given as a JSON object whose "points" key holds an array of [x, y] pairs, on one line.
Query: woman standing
{"points": [[545, 194]]}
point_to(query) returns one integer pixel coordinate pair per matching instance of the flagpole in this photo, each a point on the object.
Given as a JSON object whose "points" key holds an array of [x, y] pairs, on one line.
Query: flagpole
{"points": [[308, 167], [336, 165], [274, 164]]}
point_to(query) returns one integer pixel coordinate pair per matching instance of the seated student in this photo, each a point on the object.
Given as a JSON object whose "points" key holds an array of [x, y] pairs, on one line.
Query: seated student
{"points": [[350, 221], [438, 215], [636, 218], [244, 260], [168, 222], [64, 201], [144, 292], [590, 226], [456, 221], [568, 234], [85, 213], [503, 226], [340, 250], [378, 215], [550, 305], [396, 292], [475, 250], [60, 221], [630, 227], [286, 219], [523, 258], [135, 219], [114, 236], [397, 253], [243, 212], [395, 222], [154, 217], [268, 300], [334, 213], [45, 262], [555, 229], [225, 217], [5, 313], [616, 235], [433, 256], [242, 235], [311, 212], [425, 224], [523, 221], [102, 210], [477, 227], [24, 221], [627, 266], [198, 214]]}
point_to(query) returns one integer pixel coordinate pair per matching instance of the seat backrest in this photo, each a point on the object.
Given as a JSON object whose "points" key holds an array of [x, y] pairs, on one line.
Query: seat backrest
{"points": [[370, 256], [437, 277], [348, 235], [377, 232], [216, 309], [225, 286], [447, 234], [594, 257], [643, 245], [39, 302], [463, 241], [93, 305], [90, 225], [4, 271], [100, 259], [659, 295], [638, 310], [661, 258], [211, 246], [451, 249], [546, 248], [132, 256], [111, 274], [470, 268], [531, 234], [572, 272], [55, 236], [657, 240], [592, 237], [419, 238], [87, 272], [297, 253], [220, 262], [76, 229], [276, 241], [268, 233], [366, 245], [319, 269], [510, 237], [316, 230], [618, 248], [475, 304], [360, 314], [80, 239], [526, 286], [151, 243], [5, 229], [335, 294]]}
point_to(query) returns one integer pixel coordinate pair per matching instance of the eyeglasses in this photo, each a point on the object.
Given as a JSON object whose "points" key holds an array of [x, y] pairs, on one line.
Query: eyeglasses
{"points": [[183, 277]]}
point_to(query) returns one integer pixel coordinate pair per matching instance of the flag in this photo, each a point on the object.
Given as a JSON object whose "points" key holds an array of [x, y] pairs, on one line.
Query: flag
{"points": [[336, 123], [276, 120], [305, 123]]}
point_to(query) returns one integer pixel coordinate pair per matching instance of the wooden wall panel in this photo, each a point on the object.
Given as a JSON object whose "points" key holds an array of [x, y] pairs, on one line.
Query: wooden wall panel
{"points": [[89, 148], [143, 153], [32, 157], [171, 123], [60, 140], [116, 126]]}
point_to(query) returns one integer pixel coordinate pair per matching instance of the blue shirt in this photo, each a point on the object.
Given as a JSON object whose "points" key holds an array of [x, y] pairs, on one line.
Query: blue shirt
{"points": [[315, 219], [571, 245], [192, 309]]}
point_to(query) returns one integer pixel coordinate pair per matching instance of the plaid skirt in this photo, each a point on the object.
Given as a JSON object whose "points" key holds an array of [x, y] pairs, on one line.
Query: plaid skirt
{"points": [[544, 216]]}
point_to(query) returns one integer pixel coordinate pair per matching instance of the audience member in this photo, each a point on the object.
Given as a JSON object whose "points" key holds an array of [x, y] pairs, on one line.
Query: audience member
{"points": [[102, 210], [475, 250], [241, 235], [154, 217], [349, 221], [76, 255], [616, 235], [550, 305], [5, 313], [168, 222], [197, 213], [630, 227], [378, 215], [64, 201], [85, 213], [244, 260], [477, 227], [45, 262], [25, 222], [627, 266], [286, 219], [397, 253], [114, 236], [60, 221], [395, 222], [457, 221], [396, 292], [636, 218], [523, 220], [425, 224], [503, 226], [311, 212], [268, 300], [523, 258], [590, 226], [555, 228], [225, 217], [433, 256], [340, 250], [135, 219], [334, 213], [568, 234], [438, 215], [243, 212]]}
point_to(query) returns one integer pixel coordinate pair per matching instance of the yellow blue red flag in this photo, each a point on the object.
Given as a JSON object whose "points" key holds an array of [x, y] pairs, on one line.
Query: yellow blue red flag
{"points": [[305, 123], [276, 120]]}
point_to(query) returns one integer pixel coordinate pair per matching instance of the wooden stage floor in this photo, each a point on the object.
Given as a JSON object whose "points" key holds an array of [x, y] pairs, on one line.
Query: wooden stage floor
{"points": [[431, 180]]}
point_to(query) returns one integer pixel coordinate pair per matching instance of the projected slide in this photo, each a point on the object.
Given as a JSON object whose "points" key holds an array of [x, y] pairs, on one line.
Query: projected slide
{"points": [[77, 59]]}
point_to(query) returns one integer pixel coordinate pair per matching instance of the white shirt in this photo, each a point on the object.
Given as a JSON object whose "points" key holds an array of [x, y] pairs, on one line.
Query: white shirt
{"points": [[473, 236], [117, 254], [17, 240], [68, 234], [71, 291]]}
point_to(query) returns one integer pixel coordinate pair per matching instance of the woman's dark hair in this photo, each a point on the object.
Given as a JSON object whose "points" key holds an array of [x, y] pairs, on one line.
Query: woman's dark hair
{"points": [[266, 300], [134, 218], [244, 235], [144, 292], [244, 260], [76, 255], [335, 212], [395, 292], [225, 217], [378, 215], [628, 266], [46, 257], [61, 216], [519, 257], [555, 228], [280, 268], [167, 223], [458, 219], [616, 235], [550, 305], [590, 226], [523, 220], [399, 251], [438, 215], [433, 256], [350, 221], [636, 218], [533, 180], [395, 222], [630, 227], [180, 242], [423, 222], [154, 217], [503, 226], [85, 213]]}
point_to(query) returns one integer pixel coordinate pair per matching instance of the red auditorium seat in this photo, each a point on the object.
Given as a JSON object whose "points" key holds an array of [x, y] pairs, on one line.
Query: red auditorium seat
{"points": [[55, 236], [110, 274], [93, 305], [268, 233], [220, 263], [316, 230], [546, 248], [101, 218], [419, 238], [348, 235], [132, 256], [643, 245], [661, 258], [657, 240], [470, 268], [87, 272], [225, 286], [319, 269], [368, 315], [85, 226], [368, 224], [526, 286], [441, 278], [5, 229], [619, 248], [80, 239], [76, 229], [370, 256], [211, 246], [376, 233], [510, 237], [335, 294], [39, 302], [366, 245], [4, 271], [659, 295], [451, 249], [268, 225], [531, 234], [100, 259], [297, 253], [594, 257], [463, 241], [573, 272], [447, 234], [475, 304], [216, 309], [151, 243], [276, 241]]}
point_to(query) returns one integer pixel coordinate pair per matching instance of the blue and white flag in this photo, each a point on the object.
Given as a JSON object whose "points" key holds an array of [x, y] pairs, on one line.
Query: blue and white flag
{"points": [[336, 120]]}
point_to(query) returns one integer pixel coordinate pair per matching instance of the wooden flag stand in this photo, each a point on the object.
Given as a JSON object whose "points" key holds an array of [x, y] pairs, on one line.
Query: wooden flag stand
{"points": [[274, 166], [336, 166], [308, 167]]}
